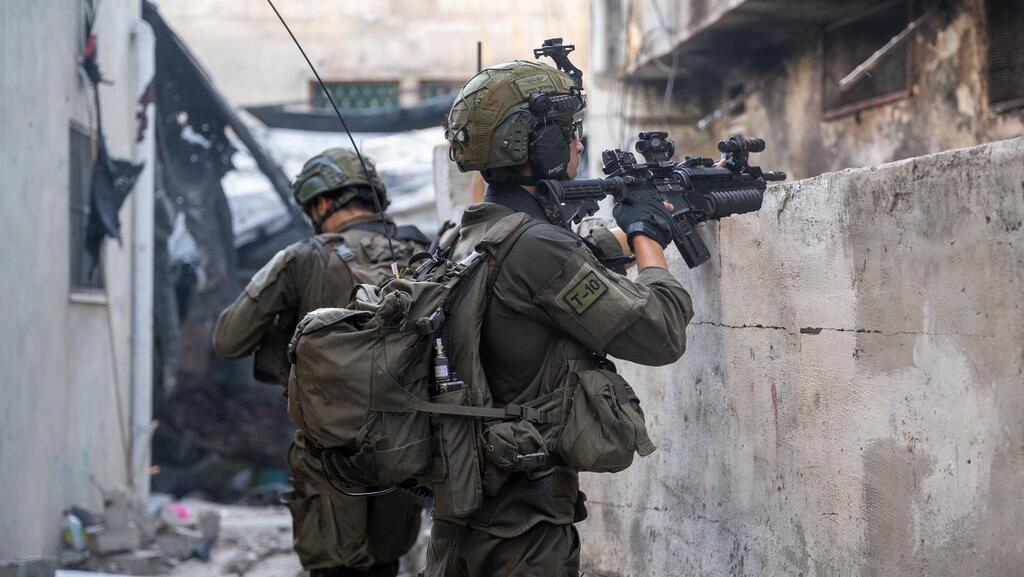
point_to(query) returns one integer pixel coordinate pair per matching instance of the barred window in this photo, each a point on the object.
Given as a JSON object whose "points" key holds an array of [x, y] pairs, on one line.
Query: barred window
{"points": [[435, 88], [850, 43], [86, 271], [1005, 54], [357, 95]]}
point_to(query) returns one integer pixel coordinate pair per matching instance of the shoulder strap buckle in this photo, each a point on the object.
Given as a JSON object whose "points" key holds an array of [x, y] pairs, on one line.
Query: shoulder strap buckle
{"points": [[465, 266], [516, 411], [344, 252]]}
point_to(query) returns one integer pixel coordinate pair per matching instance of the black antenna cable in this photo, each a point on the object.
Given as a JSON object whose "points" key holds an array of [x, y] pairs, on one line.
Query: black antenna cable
{"points": [[366, 173]]}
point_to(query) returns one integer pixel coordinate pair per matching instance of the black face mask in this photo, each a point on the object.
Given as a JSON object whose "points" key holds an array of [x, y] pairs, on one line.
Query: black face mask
{"points": [[548, 152]]}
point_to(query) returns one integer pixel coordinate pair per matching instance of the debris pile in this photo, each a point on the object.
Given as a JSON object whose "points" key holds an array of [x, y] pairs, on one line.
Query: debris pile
{"points": [[135, 538]]}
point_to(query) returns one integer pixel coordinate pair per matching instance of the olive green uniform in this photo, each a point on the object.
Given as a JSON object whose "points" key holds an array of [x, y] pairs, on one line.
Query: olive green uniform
{"points": [[553, 305], [361, 536]]}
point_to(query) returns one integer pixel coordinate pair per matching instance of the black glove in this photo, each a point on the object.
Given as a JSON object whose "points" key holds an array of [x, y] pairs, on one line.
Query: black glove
{"points": [[645, 216]]}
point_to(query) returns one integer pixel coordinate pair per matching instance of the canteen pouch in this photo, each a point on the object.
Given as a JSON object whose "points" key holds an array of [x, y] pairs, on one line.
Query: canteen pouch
{"points": [[456, 480], [603, 423], [515, 446]]}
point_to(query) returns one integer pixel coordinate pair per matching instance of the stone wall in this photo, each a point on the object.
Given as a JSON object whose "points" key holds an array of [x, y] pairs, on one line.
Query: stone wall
{"points": [[851, 400]]}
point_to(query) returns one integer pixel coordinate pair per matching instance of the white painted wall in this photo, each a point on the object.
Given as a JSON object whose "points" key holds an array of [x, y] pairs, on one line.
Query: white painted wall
{"points": [[59, 381], [851, 400]]}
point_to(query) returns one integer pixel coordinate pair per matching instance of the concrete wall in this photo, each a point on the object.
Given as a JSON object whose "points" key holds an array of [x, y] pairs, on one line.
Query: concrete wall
{"points": [[851, 400], [253, 61], [59, 428]]}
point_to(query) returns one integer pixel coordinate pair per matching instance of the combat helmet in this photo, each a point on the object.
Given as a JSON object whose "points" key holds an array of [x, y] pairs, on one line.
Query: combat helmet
{"points": [[504, 115], [335, 169]]}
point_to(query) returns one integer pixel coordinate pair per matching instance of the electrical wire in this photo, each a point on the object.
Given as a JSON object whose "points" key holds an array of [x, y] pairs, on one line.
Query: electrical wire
{"points": [[362, 163]]}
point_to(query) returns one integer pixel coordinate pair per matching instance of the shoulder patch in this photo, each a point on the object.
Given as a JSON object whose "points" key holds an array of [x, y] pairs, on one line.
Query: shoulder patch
{"points": [[592, 298], [585, 293]]}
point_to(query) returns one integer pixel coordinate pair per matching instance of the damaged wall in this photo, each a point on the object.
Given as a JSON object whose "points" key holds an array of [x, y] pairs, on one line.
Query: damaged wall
{"points": [[947, 106], [851, 400]]}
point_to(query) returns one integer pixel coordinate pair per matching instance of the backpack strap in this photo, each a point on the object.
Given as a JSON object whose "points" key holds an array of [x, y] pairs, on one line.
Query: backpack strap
{"points": [[494, 245], [341, 249], [510, 411]]}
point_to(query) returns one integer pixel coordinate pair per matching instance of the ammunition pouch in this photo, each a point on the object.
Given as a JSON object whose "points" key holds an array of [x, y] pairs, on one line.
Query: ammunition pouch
{"points": [[603, 424], [515, 446]]}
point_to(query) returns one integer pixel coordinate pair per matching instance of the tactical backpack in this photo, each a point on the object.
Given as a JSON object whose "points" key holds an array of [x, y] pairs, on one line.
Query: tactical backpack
{"points": [[379, 404], [363, 253]]}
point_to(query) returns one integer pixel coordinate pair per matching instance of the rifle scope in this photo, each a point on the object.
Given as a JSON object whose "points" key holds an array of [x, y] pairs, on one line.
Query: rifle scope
{"points": [[737, 144]]}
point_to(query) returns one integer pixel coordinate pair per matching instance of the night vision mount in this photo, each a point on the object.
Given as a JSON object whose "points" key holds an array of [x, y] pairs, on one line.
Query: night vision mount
{"points": [[554, 49]]}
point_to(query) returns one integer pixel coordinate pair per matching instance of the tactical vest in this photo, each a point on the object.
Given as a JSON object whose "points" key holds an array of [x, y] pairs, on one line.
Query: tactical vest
{"points": [[381, 404]]}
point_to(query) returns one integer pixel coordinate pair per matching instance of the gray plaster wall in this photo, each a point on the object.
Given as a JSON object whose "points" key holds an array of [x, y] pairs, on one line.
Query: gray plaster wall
{"points": [[64, 354], [851, 401]]}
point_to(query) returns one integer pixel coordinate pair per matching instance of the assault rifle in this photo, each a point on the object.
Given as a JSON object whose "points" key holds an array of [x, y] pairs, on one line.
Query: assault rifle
{"points": [[698, 189]]}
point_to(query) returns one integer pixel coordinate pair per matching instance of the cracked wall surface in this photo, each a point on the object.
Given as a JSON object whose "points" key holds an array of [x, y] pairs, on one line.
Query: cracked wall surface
{"points": [[851, 399]]}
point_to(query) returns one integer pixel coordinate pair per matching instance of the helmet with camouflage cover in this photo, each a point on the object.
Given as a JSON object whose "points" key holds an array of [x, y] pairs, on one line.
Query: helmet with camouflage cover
{"points": [[490, 122], [337, 169]]}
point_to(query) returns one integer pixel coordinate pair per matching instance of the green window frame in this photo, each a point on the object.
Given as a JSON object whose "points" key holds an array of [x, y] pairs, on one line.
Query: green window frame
{"points": [[363, 95]]}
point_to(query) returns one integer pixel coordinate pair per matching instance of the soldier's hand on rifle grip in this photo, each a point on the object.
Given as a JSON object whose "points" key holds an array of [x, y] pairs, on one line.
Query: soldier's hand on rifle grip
{"points": [[620, 235]]}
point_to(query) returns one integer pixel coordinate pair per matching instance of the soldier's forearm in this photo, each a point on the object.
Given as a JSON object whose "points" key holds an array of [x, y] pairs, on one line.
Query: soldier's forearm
{"points": [[648, 253]]}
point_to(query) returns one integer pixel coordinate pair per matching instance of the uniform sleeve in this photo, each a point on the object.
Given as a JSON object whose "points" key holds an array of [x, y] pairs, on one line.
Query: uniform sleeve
{"points": [[551, 275], [241, 326]]}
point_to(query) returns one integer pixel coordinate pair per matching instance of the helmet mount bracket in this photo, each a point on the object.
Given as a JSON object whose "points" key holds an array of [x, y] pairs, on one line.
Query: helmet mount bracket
{"points": [[555, 50]]}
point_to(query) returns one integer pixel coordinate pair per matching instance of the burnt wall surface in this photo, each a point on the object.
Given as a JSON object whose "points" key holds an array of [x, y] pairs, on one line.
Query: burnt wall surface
{"points": [[944, 107], [850, 402]]}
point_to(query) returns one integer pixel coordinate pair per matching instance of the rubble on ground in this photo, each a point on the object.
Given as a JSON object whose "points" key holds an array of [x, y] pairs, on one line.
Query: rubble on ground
{"points": [[135, 538]]}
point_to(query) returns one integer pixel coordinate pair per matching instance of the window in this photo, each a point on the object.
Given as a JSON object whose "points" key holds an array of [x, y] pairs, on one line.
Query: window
{"points": [[86, 271], [1005, 54], [848, 44], [435, 88], [357, 95]]}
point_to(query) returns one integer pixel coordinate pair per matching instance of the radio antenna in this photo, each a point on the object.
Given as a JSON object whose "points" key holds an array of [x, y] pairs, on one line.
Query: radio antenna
{"points": [[362, 163]]}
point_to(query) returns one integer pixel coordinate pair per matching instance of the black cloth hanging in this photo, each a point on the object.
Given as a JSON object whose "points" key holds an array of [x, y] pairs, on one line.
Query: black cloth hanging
{"points": [[112, 178]]}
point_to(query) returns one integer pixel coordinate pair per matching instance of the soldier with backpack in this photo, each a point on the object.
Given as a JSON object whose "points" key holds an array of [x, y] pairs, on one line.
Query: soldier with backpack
{"points": [[334, 534], [554, 310], [482, 373]]}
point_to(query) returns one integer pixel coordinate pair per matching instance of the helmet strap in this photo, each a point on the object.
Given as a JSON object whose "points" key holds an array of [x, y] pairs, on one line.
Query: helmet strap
{"points": [[318, 223], [523, 180]]}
